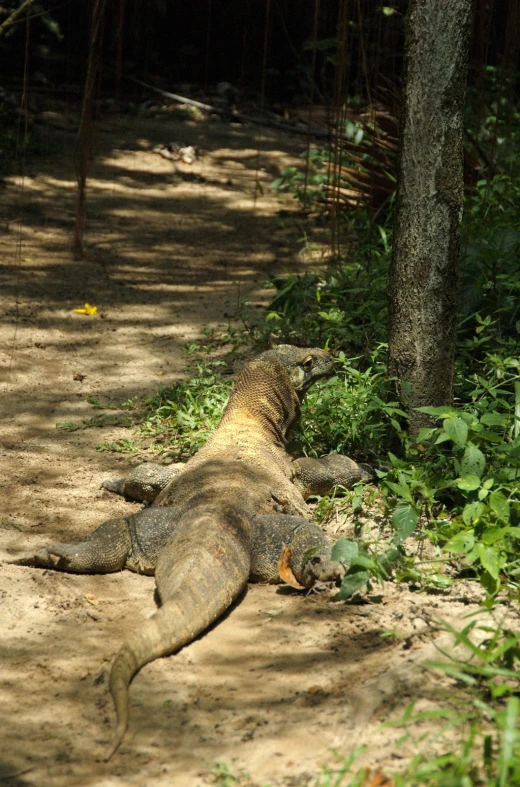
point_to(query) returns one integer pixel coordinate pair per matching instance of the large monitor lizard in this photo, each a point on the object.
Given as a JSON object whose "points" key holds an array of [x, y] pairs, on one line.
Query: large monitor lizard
{"points": [[235, 510]]}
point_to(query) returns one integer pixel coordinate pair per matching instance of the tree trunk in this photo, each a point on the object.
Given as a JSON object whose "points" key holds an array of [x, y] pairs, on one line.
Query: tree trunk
{"points": [[423, 277]]}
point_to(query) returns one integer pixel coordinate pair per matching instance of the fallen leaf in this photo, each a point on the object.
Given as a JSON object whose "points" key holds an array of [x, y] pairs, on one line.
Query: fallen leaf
{"points": [[87, 309], [78, 377], [284, 569], [377, 779]]}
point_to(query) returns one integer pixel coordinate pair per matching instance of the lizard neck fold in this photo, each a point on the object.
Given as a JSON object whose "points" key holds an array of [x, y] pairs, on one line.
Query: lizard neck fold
{"points": [[264, 393]]}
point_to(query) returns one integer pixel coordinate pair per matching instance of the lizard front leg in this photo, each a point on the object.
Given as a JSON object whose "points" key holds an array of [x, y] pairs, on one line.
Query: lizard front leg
{"points": [[144, 482], [319, 476]]}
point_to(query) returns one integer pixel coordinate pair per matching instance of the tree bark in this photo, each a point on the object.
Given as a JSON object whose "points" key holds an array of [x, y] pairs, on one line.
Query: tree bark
{"points": [[423, 276]]}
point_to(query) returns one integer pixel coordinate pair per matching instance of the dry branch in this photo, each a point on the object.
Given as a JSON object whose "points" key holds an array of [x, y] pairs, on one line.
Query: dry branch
{"points": [[13, 19]]}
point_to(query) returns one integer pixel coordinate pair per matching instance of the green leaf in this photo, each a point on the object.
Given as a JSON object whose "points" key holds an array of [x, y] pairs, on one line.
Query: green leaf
{"points": [[507, 757], [442, 437], [364, 561], [395, 461], [390, 556], [491, 535], [500, 505], [439, 580], [344, 550], [404, 521], [351, 583], [310, 553], [493, 419], [505, 239], [471, 556], [468, 483], [473, 462], [440, 412], [425, 434], [457, 430], [472, 513], [491, 437], [454, 672], [490, 584], [513, 453], [357, 498], [490, 559], [462, 542], [401, 490], [52, 26]]}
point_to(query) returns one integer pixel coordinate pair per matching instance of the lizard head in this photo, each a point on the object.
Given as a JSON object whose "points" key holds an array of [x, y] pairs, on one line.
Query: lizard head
{"points": [[304, 365]]}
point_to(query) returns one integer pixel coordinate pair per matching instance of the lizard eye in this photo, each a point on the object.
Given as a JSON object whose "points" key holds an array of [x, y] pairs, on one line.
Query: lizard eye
{"points": [[307, 363]]}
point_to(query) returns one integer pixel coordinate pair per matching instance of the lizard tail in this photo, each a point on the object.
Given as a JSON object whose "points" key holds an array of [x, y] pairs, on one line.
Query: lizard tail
{"points": [[205, 586], [167, 631]]}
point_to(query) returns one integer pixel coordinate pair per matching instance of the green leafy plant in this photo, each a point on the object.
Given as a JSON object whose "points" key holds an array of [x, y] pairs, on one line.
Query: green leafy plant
{"points": [[180, 418], [343, 306], [352, 412], [306, 187], [463, 482], [364, 565], [480, 732], [491, 250], [484, 459]]}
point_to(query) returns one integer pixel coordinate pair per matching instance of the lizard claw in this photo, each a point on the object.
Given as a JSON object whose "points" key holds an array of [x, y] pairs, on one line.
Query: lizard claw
{"points": [[115, 485], [49, 557], [36, 559]]}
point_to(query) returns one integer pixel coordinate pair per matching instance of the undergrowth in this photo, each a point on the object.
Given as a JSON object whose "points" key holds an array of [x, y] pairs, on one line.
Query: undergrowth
{"points": [[330, 307]]}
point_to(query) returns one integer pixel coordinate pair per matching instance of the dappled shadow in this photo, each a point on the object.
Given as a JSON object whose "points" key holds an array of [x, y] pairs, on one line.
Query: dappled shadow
{"points": [[167, 254], [161, 252], [252, 676]]}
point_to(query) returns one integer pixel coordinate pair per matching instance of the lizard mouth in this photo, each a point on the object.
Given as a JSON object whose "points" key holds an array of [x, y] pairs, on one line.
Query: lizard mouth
{"points": [[312, 377]]}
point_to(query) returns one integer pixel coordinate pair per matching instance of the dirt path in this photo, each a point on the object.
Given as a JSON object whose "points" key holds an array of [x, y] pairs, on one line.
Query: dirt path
{"points": [[284, 680]]}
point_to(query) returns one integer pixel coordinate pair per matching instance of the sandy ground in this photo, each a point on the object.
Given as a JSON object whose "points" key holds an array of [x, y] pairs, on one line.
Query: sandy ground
{"points": [[286, 681]]}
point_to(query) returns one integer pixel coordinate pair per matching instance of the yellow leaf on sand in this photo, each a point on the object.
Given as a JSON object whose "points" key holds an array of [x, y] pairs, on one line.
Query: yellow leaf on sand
{"points": [[87, 309]]}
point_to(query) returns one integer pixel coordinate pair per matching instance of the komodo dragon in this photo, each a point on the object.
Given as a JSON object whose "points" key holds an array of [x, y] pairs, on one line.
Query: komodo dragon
{"points": [[236, 510]]}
